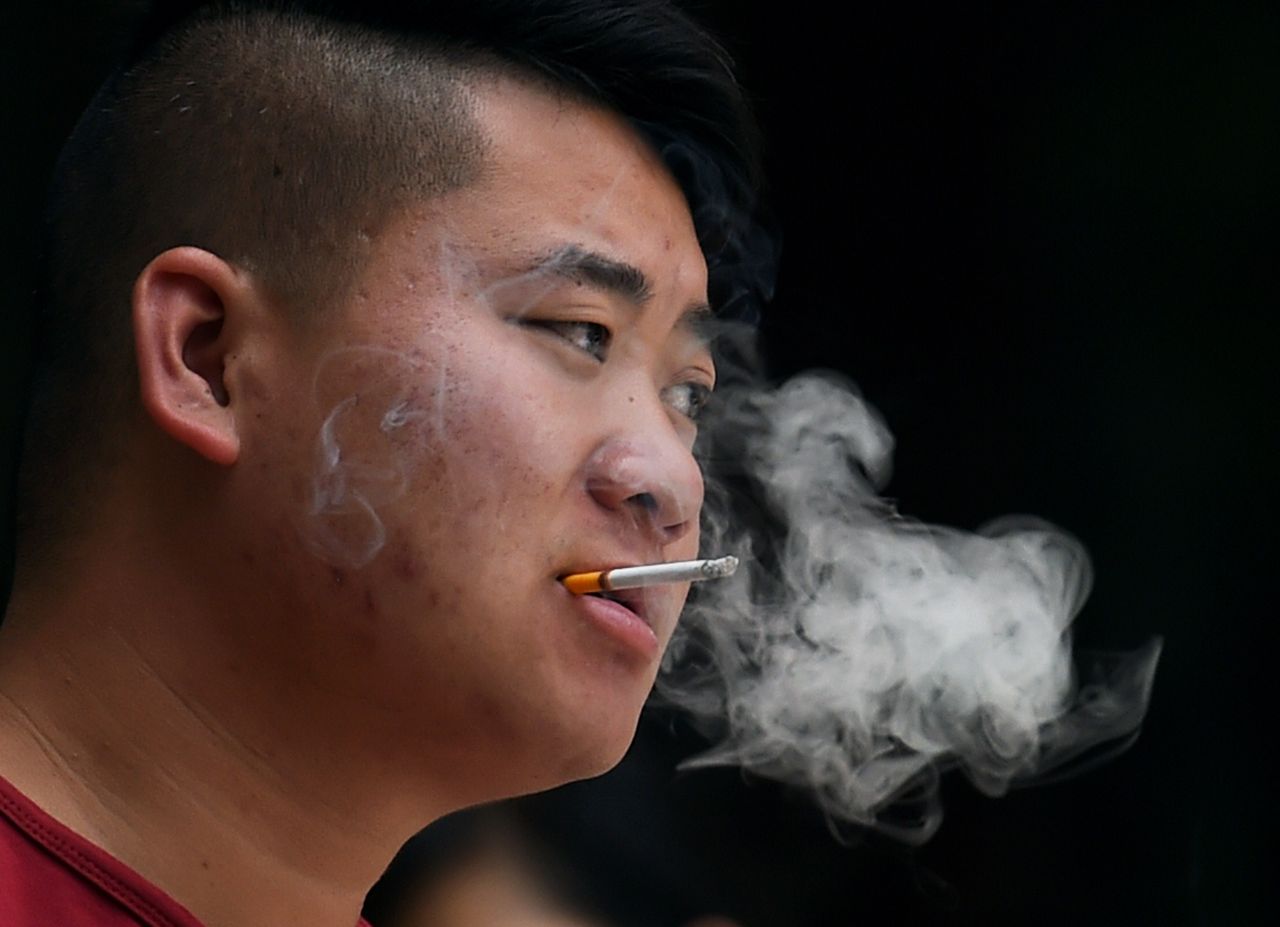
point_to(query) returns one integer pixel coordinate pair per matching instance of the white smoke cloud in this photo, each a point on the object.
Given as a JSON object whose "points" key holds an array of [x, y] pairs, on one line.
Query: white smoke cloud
{"points": [[858, 653]]}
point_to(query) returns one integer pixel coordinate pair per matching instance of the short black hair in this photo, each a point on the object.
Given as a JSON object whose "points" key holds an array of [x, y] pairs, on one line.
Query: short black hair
{"points": [[278, 134]]}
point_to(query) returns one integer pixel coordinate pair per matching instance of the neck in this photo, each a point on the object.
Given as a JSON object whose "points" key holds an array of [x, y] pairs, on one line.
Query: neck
{"points": [[247, 800]]}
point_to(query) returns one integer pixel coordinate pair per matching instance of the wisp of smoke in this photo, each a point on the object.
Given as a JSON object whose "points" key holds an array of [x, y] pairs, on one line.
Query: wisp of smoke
{"points": [[858, 653], [359, 466]]}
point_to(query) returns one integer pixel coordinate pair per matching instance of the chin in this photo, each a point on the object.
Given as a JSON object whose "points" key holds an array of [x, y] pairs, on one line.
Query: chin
{"points": [[574, 770], [586, 759], [605, 760]]}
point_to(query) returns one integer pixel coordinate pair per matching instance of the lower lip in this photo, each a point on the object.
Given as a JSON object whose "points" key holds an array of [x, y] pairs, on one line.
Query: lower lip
{"points": [[619, 622]]}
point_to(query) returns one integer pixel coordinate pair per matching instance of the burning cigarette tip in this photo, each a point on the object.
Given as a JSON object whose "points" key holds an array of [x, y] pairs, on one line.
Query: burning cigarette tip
{"points": [[650, 575]]}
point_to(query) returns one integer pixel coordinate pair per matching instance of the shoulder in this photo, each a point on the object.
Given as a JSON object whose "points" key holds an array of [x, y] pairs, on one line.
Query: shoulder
{"points": [[50, 875]]}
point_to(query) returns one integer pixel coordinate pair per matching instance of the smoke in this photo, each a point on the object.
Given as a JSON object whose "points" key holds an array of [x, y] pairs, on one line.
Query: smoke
{"points": [[858, 653], [360, 467], [387, 411], [384, 417]]}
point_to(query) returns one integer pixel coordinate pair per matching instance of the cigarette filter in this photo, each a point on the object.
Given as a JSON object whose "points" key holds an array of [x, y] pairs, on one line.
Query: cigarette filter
{"points": [[654, 574]]}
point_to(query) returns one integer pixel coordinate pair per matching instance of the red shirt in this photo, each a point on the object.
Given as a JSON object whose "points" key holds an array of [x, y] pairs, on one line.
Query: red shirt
{"points": [[50, 875]]}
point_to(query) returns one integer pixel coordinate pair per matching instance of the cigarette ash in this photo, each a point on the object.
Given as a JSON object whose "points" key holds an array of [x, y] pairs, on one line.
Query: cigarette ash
{"points": [[858, 653]]}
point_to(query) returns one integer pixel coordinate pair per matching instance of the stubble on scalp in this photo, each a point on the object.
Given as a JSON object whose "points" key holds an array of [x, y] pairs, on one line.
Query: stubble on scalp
{"points": [[283, 143]]}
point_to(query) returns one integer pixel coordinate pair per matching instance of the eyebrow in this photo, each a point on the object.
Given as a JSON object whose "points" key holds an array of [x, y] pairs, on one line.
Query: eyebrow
{"points": [[580, 265], [576, 263]]}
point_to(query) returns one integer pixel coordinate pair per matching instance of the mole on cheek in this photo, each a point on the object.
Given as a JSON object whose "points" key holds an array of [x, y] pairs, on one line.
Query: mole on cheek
{"points": [[404, 566]]}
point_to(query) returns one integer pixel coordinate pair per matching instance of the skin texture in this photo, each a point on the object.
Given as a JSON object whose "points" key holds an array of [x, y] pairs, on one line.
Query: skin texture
{"points": [[321, 609]]}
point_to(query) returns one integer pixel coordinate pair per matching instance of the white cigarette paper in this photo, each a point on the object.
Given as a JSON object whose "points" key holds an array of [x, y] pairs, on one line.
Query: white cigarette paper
{"points": [[655, 574]]}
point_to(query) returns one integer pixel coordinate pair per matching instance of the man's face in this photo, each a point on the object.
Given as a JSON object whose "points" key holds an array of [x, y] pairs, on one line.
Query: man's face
{"points": [[509, 397]]}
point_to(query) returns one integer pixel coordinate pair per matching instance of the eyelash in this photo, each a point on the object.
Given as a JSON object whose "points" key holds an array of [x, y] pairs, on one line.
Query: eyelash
{"points": [[596, 341], [697, 397]]}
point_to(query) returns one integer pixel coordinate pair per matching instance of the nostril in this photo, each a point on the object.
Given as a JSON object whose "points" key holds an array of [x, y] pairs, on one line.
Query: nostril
{"points": [[645, 501], [662, 521], [645, 511], [656, 492]]}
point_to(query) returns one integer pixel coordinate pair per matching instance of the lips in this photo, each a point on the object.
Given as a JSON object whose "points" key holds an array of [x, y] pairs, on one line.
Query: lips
{"points": [[625, 617], [631, 599], [620, 625]]}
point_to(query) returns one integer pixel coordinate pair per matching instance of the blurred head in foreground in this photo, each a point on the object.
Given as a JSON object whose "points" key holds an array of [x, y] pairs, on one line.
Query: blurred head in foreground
{"points": [[496, 867]]}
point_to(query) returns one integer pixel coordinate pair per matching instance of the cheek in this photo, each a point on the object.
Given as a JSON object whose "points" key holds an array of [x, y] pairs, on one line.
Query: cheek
{"points": [[483, 443], [494, 422], [369, 422], [442, 441]]}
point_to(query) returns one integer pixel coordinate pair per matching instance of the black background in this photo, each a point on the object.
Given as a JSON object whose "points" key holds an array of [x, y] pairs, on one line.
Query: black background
{"points": [[1042, 238]]}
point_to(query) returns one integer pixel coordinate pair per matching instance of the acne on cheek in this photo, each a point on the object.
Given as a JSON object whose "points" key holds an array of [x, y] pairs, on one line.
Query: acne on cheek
{"points": [[404, 563], [358, 460], [405, 429]]}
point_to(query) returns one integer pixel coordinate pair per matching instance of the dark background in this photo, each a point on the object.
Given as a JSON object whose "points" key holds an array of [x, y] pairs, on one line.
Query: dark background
{"points": [[1042, 239]]}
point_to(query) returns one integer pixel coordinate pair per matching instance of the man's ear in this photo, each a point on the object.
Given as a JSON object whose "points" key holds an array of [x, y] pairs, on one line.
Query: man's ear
{"points": [[182, 303]]}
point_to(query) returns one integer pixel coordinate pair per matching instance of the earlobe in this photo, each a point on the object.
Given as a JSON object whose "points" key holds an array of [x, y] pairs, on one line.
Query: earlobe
{"points": [[181, 303]]}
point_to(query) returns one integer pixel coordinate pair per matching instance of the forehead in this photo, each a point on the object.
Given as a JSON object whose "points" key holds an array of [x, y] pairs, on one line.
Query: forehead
{"points": [[557, 176], [559, 172]]}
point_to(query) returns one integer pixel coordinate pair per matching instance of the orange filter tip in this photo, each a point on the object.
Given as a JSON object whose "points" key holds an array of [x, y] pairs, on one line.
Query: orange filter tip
{"points": [[582, 583]]}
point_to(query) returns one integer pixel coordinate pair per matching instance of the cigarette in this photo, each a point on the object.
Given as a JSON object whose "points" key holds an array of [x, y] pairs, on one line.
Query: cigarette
{"points": [[654, 574]]}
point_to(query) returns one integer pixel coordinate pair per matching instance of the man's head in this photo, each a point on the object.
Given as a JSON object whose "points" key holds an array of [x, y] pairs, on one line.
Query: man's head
{"points": [[282, 139], [413, 308]]}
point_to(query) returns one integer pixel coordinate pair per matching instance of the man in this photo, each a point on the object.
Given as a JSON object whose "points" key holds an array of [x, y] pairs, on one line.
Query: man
{"points": [[361, 330]]}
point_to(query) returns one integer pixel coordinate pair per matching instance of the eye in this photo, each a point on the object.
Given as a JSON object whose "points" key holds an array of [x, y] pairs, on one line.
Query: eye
{"points": [[589, 337], [689, 399]]}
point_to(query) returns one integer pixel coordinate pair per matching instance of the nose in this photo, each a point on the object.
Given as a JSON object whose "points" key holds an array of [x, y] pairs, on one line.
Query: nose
{"points": [[653, 481]]}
